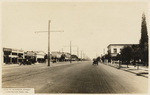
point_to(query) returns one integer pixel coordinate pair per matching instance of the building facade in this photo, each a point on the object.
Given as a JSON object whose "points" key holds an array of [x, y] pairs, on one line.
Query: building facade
{"points": [[12, 55], [40, 56], [30, 56], [115, 49]]}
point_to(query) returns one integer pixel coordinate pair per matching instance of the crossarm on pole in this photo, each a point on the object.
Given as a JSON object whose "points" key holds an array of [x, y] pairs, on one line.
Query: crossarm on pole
{"points": [[46, 31]]}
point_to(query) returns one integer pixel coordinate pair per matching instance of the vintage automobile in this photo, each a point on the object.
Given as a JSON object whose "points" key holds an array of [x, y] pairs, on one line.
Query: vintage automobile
{"points": [[28, 60], [25, 62], [95, 62]]}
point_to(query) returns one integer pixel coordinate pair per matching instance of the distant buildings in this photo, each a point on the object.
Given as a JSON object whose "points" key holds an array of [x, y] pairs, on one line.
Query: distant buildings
{"points": [[15, 56], [67, 56], [63, 56], [56, 54], [18, 55]]}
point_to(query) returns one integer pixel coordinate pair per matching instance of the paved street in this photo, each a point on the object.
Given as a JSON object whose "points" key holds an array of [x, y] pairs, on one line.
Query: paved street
{"points": [[77, 77]]}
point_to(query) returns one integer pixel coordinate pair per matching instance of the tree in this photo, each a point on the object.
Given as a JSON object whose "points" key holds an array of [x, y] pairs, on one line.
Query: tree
{"points": [[127, 55], [103, 58], [62, 58], [45, 57], [98, 59], [75, 57], [144, 41], [119, 57], [108, 57], [136, 53]]}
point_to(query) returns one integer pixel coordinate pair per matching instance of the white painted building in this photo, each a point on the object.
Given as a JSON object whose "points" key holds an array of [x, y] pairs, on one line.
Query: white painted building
{"points": [[56, 54], [114, 49], [40, 56]]}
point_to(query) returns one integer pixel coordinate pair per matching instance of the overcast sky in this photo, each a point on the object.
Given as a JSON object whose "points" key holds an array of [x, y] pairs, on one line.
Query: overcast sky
{"points": [[90, 26]]}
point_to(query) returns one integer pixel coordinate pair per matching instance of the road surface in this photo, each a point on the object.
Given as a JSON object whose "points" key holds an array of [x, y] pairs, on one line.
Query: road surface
{"points": [[78, 77]]}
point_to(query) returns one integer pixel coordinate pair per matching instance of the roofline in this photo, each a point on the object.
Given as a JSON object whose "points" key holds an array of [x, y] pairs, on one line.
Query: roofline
{"points": [[120, 44]]}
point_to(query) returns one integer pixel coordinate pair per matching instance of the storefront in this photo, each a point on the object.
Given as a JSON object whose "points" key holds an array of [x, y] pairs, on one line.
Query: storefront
{"points": [[30, 56], [12, 56], [40, 56], [6, 53]]}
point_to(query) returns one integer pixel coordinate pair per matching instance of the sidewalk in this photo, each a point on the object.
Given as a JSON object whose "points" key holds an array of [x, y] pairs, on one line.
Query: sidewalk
{"points": [[142, 71]]}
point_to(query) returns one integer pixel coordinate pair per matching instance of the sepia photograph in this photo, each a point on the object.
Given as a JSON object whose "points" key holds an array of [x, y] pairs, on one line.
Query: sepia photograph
{"points": [[68, 47]]}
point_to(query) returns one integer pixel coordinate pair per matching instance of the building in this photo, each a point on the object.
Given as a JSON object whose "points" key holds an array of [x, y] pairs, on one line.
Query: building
{"points": [[30, 56], [56, 54], [40, 56], [74, 57], [18, 55], [12, 55], [67, 56], [114, 49]]}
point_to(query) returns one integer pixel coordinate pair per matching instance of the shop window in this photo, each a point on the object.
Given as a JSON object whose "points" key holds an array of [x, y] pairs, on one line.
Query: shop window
{"points": [[7, 52], [20, 55], [120, 49], [14, 53]]}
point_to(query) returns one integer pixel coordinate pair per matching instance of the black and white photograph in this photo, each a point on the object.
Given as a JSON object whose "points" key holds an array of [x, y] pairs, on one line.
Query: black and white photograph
{"points": [[74, 47]]}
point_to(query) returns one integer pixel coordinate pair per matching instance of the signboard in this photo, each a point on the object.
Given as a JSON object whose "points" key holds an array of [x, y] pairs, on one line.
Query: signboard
{"points": [[7, 49]]}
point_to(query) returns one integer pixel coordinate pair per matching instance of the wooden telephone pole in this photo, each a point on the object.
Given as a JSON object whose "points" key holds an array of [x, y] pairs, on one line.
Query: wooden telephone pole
{"points": [[70, 53], [49, 21]]}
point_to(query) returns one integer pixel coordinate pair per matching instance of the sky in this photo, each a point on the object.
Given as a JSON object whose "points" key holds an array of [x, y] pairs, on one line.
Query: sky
{"points": [[90, 26]]}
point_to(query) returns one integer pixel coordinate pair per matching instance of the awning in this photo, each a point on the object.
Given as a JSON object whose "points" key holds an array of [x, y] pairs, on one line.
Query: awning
{"points": [[39, 56], [13, 56]]}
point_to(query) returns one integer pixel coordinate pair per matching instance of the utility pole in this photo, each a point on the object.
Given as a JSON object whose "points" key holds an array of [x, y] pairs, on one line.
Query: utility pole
{"points": [[70, 53], [96, 55], [49, 42], [81, 55], [78, 52], [104, 51], [49, 21], [62, 50]]}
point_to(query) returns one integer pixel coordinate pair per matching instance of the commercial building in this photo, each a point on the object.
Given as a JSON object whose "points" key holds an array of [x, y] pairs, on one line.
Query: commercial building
{"points": [[18, 55], [30, 56], [67, 56], [40, 56], [12, 55], [56, 54]]}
